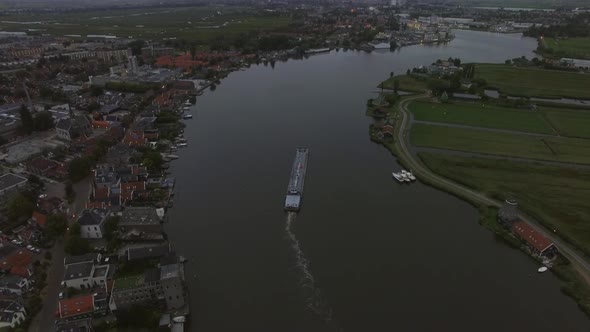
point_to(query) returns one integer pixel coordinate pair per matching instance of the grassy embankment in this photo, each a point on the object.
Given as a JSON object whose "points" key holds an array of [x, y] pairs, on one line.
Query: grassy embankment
{"points": [[407, 83], [191, 23], [578, 48], [531, 82]]}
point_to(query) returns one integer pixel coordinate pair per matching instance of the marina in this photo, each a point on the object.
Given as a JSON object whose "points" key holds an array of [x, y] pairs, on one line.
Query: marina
{"points": [[297, 180]]}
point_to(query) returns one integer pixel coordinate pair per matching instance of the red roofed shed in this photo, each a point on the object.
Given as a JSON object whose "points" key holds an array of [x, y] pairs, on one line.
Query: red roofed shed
{"points": [[537, 241]]}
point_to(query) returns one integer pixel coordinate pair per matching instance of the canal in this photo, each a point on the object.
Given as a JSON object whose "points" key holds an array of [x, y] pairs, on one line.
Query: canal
{"points": [[381, 256]]}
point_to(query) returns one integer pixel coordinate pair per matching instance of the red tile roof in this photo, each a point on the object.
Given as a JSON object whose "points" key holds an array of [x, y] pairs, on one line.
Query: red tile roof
{"points": [[127, 189], [531, 236], [102, 193], [18, 262], [39, 218], [78, 305]]}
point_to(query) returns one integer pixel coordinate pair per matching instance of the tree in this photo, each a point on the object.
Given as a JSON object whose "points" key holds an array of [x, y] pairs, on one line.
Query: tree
{"points": [[26, 120], [96, 91], [79, 168], [43, 121], [152, 160], [136, 46], [35, 182], [56, 225], [395, 85], [75, 244], [391, 75], [19, 207], [408, 72]]}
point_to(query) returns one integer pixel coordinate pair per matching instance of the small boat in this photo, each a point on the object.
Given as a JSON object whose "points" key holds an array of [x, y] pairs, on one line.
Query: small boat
{"points": [[181, 140], [182, 145], [406, 175], [398, 177], [187, 116], [542, 269], [188, 103], [173, 156], [411, 176], [186, 109]]}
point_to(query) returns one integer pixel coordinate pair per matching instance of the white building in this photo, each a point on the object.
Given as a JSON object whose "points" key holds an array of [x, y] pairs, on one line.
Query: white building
{"points": [[12, 313], [84, 272], [92, 223]]}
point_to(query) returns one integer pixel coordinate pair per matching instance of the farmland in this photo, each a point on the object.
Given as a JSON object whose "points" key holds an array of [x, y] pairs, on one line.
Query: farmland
{"points": [[190, 23], [571, 47], [549, 148], [527, 82], [482, 115], [571, 123]]}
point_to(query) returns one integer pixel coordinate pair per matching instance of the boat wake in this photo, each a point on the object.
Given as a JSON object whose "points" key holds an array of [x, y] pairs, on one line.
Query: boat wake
{"points": [[313, 298]]}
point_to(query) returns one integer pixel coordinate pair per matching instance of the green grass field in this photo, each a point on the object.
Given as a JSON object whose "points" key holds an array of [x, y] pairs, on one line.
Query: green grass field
{"points": [[191, 23], [527, 82], [560, 149], [557, 196], [407, 84], [536, 4], [481, 115], [578, 48], [572, 123]]}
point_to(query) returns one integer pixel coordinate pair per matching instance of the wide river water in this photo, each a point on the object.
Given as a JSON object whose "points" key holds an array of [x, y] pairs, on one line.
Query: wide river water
{"points": [[364, 253]]}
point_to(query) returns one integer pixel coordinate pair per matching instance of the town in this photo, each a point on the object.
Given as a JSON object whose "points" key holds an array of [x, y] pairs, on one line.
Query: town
{"points": [[91, 122]]}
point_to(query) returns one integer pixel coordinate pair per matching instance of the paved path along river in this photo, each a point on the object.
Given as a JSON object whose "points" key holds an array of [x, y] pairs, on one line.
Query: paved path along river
{"points": [[382, 256]]}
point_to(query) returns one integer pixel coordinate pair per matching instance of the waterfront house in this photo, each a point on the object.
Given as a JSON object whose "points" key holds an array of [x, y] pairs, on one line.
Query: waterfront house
{"points": [[164, 285], [143, 219], [147, 252]]}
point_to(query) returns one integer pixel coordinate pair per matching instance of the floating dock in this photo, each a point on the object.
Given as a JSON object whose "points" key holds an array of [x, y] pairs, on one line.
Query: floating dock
{"points": [[297, 180]]}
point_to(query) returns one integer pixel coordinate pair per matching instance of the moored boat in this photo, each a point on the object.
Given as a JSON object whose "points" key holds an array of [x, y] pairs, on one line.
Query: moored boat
{"points": [[398, 176]]}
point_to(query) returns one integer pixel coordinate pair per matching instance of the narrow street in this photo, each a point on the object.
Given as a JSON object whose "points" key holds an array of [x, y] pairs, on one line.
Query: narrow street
{"points": [[45, 319]]}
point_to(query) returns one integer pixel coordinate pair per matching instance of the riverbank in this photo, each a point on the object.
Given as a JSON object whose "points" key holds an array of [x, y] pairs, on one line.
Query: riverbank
{"points": [[574, 275]]}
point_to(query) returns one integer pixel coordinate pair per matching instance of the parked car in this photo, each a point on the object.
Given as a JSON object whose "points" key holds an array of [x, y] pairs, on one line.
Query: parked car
{"points": [[37, 250], [30, 247], [61, 295]]}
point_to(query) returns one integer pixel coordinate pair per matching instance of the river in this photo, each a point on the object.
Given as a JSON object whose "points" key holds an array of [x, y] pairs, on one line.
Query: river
{"points": [[382, 256]]}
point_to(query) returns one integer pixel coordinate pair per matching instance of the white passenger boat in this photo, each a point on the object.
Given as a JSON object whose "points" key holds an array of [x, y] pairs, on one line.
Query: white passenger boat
{"points": [[542, 269], [398, 176]]}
